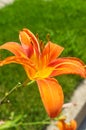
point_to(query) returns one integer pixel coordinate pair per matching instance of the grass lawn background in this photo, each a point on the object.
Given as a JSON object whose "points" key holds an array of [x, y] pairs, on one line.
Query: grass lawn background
{"points": [[65, 21]]}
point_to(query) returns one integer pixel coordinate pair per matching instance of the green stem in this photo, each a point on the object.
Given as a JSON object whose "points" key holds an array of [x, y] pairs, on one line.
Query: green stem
{"points": [[29, 83], [12, 90], [35, 123]]}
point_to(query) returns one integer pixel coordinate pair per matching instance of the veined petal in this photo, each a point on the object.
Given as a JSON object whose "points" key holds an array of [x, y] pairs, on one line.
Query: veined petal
{"points": [[52, 51], [52, 96], [13, 47], [33, 40], [26, 43], [19, 60], [68, 66]]}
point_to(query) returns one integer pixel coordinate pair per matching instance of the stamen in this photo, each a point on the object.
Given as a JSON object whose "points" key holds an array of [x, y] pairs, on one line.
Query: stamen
{"points": [[37, 36], [41, 45], [48, 37]]}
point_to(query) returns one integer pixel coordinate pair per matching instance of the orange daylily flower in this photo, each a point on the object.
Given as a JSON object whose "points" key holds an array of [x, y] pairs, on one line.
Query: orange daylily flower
{"points": [[41, 63], [62, 125]]}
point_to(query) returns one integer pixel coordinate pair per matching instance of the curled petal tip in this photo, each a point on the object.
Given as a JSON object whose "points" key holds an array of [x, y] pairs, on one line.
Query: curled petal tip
{"points": [[69, 65]]}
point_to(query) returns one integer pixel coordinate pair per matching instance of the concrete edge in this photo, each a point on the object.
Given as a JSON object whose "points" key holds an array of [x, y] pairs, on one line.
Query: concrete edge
{"points": [[78, 111], [81, 115]]}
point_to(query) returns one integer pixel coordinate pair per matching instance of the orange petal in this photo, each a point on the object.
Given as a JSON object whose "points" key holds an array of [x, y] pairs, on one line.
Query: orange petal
{"points": [[26, 43], [68, 66], [52, 51], [19, 60], [73, 125], [63, 125], [27, 64], [52, 96], [13, 47], [60, 125], [33, 40]]}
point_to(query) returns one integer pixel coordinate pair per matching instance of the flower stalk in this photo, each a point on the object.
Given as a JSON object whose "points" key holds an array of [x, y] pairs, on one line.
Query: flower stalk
{"points": [[7, 94]]}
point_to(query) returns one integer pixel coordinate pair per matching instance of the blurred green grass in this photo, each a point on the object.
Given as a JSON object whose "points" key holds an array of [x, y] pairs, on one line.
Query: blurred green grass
{"points": [[65, 21]]}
